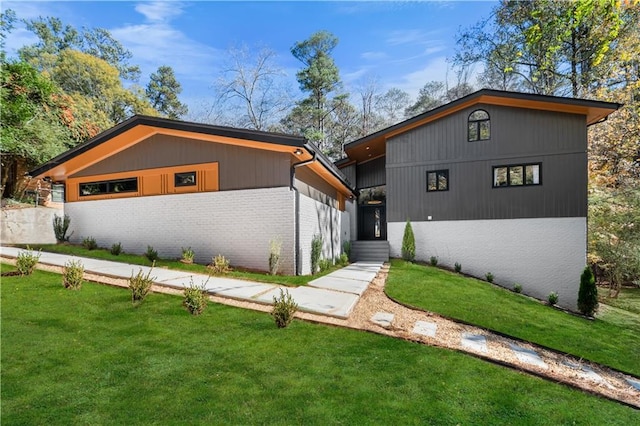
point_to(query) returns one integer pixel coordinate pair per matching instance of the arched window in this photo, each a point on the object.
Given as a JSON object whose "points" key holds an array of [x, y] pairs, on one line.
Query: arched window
{"points": [[479, 126]]}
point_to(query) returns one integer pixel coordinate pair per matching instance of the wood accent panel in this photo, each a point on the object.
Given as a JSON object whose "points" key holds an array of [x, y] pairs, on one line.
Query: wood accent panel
{"points": [[158, 181]]}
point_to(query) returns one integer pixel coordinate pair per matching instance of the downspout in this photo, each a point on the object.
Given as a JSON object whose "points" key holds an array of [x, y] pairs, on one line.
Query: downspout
{"points": [[298, 263]]}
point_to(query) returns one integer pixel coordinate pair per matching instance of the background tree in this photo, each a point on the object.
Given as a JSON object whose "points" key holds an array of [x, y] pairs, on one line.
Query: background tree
{"points": [[251, 87], [163, 90], [391, 106]]}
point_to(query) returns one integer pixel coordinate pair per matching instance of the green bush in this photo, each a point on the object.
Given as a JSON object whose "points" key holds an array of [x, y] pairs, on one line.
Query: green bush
{"points": [[60, 227], [187, 255], [284, 308], [588, 293], [116, 249], [140, 285], [72, 274], [316, 252], [433, 261], [219, 265], [489, 277], [517, 288], [325, 264], [27, 261], [408, 243], [151, 254], [457, 267], [275, 249], [195, 298], [552, 298], [346, 249], [343, 259], [89, 243]]}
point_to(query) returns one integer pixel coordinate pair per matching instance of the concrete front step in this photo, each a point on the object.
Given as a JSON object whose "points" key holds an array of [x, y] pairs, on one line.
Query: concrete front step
{"points": [[370, 251]]}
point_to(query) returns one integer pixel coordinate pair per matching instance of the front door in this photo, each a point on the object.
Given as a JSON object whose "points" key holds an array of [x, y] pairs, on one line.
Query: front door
{"points": [[372, 222]]}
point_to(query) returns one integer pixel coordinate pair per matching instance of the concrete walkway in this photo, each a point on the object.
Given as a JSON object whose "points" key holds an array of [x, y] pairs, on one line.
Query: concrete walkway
{"points": [[334, 294]]}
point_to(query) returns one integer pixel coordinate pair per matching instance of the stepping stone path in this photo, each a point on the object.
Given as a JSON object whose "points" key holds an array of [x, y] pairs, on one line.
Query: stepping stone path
{"points": [[528, 356], [586, 372], [425, 328], [383, 319], [634, 383], [474, 342]]}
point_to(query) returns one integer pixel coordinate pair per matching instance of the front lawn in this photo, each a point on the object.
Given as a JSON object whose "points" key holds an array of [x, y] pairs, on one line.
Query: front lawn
{"points": [[606, 340], [89, 357], [134, 259]]}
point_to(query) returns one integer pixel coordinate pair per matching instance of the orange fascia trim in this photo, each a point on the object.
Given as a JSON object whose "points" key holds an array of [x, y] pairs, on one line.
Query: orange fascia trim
{"points": [[159, 181]]}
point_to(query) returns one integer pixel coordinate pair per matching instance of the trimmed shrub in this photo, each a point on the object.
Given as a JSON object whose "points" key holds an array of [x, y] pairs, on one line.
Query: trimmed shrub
{"points": [[89, 243], [284, 308], [187, 255], [60, 227], [552, 298], [27, 261], [325, 264], [457, 267], [219, 265], [195, 298], [116, 249], [275, 250], [140, 285], [151, 254], [72, 274], [433, 261], [408, 243], [316, 252], [489, 277], [588, 293], [343, 259], [346, 249], [517, 288]]}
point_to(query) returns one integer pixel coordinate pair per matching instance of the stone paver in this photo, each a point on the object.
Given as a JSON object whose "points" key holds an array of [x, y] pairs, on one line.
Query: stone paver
{"points": [[425, 328], [341, 284], [383, 319], [528, 356], [354, 274], [326, 302], [634, 383], [474, 342]]}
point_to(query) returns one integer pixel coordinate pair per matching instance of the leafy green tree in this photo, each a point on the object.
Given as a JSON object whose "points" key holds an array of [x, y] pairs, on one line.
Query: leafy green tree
{"points": [[7, 19], [35, 121], [319, 77], [163, 90]]}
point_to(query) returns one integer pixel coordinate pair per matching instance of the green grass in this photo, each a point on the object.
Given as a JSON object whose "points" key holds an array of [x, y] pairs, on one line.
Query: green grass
{"points": [[607, 340], [89, 357], [104, 254]]}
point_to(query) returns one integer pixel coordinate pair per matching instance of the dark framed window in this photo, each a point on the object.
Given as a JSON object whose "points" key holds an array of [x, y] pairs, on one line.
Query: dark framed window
{"points": [[479, 126], [438, 180], [185, 179], [115, 186], [517, 175]]}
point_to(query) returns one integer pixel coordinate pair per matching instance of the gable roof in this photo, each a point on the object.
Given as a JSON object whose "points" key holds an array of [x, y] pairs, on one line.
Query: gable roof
{"points": [[140, 127], [373, 145]]}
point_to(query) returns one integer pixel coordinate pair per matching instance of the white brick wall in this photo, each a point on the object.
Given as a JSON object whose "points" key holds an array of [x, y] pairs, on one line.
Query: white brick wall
{"points": [[543, 255], [318, 218], [236, 224]]}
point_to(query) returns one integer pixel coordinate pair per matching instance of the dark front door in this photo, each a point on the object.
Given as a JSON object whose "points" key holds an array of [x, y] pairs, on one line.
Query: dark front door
{"points": [[372, 222]]}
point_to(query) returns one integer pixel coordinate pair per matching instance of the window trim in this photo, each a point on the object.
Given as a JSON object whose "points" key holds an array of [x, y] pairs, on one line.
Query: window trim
{"points": [[445, 172], [477, 124], [524, 175], [109, 183]]}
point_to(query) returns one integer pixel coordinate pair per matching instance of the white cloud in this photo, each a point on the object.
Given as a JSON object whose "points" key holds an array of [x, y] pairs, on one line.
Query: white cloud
{"points": [[159, 11], [410, 36], [373, 56], [437, 69]]}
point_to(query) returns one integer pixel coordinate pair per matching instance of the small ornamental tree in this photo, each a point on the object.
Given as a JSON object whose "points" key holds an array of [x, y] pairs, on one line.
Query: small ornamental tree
{"points": [[588, 294], [408, 243]]}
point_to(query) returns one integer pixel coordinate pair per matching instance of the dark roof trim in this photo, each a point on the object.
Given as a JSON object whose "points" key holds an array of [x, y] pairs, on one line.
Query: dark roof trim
{"points": [[486, 92], [329, 165]]}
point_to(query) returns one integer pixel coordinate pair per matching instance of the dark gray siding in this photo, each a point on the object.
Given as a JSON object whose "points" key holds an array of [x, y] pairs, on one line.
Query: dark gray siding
{"points": [[518, 136], [371, 173], [350, 173], [239, 167]]}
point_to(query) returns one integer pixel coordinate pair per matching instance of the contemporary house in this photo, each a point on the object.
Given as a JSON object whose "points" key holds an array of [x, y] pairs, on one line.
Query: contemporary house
{"points": [[171, 184], [495, 181]]}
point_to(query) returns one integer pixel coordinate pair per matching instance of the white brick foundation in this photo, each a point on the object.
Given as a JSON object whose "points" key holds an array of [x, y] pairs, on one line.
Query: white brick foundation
{"points": [[543, 255], [236, 224]]}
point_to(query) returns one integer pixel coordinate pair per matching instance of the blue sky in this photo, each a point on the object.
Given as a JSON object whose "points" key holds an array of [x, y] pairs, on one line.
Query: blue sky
{"points": [[401, 44]]}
